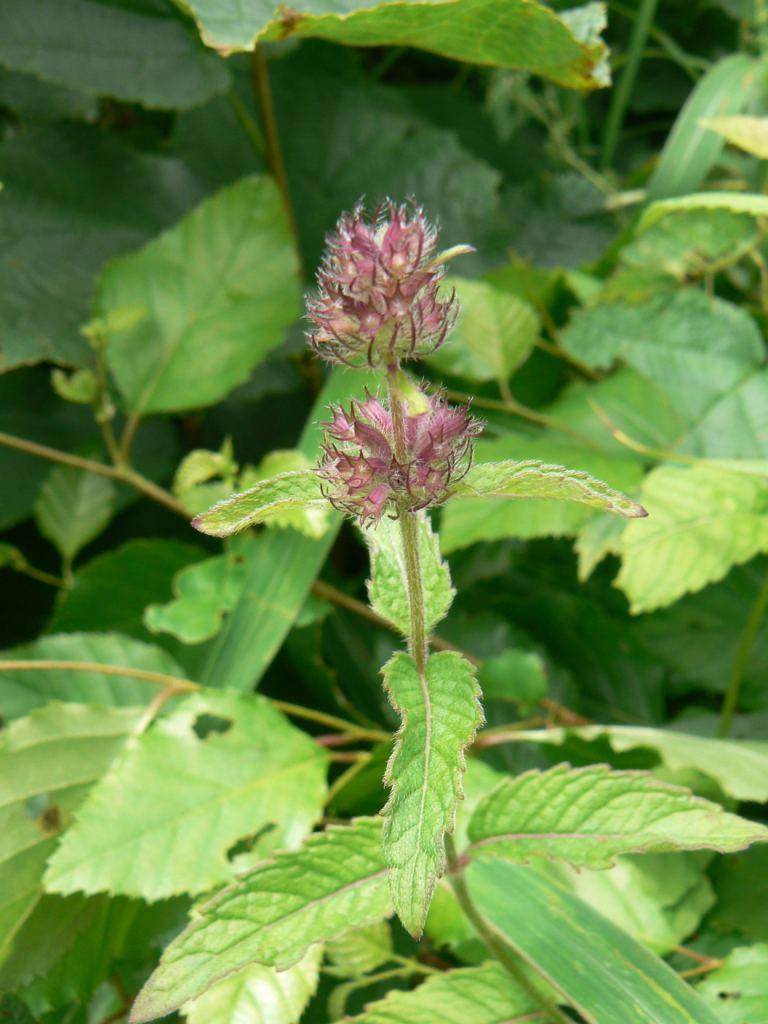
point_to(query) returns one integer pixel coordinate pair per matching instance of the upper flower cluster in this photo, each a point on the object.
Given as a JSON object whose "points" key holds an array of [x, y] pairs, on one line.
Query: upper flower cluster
{"points": [[366, 476], [379, 300]]}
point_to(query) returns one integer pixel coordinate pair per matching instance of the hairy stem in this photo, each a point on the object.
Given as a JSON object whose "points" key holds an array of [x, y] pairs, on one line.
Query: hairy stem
{"points": [[495, 942], [418, 642], [740, 662]]}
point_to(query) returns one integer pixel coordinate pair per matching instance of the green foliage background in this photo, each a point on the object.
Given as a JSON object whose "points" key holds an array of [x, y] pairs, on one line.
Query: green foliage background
{"points": [[169, 171]]}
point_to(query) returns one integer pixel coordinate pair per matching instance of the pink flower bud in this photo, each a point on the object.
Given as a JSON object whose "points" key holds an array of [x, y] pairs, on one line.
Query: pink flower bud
{"points": [[378, 296], [360, 468]]}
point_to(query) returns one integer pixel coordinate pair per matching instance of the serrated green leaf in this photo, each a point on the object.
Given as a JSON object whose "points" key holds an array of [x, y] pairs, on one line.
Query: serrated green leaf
{"points": [[694, 346], [526, 36], [691, 150], [311, 520], [133, 837], [440, 714], [387, 587], [739, 766], [748, 133], [735, 202], [48, 762], [587, 816], [219, 290], [268, 499], [274, 914], [599, 969], [471, 519], [203, 593], [702, 522], [534, 479], [738, 990], [494, 334], [110, 592], [259, 995], [360, 950], [21, 692], [73, 507], [102, 50], [58, 229], [468, 995]]}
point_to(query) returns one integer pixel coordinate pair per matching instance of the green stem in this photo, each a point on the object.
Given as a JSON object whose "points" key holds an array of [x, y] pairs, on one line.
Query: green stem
{"points": [[495, 942], [418, 642], [623, 91], [123, 474], [274, 153], [247, 123], [741, 660]]}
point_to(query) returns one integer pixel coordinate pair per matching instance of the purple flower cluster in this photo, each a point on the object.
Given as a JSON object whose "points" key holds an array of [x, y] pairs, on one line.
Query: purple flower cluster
{"points": [[379, 300], [362, 472]]}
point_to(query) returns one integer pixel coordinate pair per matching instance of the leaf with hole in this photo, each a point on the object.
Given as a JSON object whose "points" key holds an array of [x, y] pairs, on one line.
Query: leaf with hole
{"points": [[253, 777]]}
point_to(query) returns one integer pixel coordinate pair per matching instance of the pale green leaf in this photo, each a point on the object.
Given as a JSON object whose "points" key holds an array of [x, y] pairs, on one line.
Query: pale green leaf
{"points": [[203, 593], [526, 35], [387, 587], [739, 766], [738, 990], [694, 240], [691, 150], [587, 816], [299, 490], [259, 995], [21, 691], [702, 521], [534, 479], [57, 230], [115, 51], [471, 519], [201, 465], [440, 714], [736, 202], [361, 950], [600, 970], [748, 133], [676, 340], [311, 520], [659, 898], [48, 762], [73, 507], [517, 676], [274, 914], [79, 386], [219, 290], [254, 771], [467, 995], [494, 334]]}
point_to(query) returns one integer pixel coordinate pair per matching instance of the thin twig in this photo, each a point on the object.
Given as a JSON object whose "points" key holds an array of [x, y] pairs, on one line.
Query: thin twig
{"points": [[516, 408], [122, 474], [274, 153], [57, 665], [740, 662], [496, 943]]}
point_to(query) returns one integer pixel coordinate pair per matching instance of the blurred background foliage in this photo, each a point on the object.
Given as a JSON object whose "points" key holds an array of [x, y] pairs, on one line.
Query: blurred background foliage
{"points": [[162, 211]]}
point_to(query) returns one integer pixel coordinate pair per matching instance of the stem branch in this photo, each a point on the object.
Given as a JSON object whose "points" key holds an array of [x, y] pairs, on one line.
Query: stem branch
{"points": [[495, 942], [740, 662]]}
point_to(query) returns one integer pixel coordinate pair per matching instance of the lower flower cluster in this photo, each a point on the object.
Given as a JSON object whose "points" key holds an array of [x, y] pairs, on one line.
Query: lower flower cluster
{"points": [[367, 471]]}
